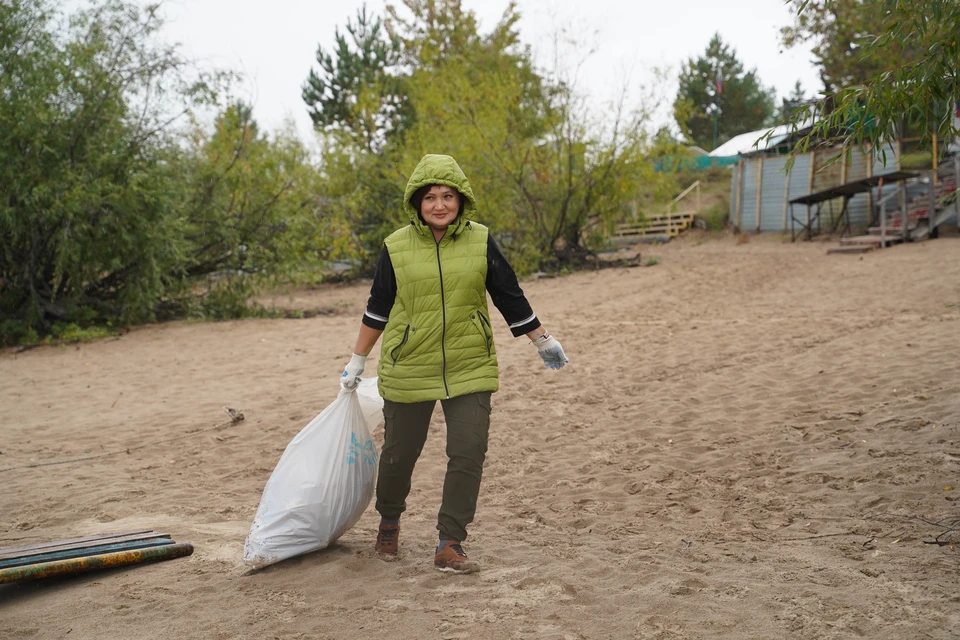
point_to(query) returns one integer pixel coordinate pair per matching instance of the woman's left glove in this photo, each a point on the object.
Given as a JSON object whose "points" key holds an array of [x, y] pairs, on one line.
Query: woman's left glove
{"points": [[351, 373], [551, 351]]}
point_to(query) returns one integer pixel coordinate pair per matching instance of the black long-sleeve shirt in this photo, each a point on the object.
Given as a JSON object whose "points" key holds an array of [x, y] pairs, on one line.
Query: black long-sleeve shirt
{"points": [[501, 283]]}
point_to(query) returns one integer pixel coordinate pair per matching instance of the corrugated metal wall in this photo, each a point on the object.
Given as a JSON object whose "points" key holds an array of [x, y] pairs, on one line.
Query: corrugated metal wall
{"points": [[761, 188]]}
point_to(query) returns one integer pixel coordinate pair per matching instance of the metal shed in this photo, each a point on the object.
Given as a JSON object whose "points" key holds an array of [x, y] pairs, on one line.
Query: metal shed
{"points": [[761, 188]]}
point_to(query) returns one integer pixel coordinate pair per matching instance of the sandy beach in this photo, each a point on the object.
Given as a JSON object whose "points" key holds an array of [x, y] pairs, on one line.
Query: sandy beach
{"points": [[752, 440]]}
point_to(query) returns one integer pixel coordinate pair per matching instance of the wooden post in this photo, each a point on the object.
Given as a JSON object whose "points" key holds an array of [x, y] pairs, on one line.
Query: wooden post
{"points": [[743, 170], [870, 191], [956, 185], [883, 225], [759, 190], [735, 204], [903, 209], [936, 164], [786, 198], [843, 180], [813, 166]]}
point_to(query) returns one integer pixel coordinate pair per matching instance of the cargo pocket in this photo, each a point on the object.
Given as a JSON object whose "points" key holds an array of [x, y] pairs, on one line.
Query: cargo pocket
{"points": [[484, 399]]}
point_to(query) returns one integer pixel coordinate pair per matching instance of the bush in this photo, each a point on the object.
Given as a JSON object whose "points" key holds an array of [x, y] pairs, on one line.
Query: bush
{"points": [[717, 216], [112, 213]]}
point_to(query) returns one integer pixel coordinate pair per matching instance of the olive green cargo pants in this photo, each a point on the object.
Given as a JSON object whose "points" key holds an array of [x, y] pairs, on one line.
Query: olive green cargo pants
{"points": [[405, 432]]}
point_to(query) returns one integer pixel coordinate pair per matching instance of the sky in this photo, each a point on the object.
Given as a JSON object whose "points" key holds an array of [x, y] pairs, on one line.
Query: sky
{"points": [[273, 44]]}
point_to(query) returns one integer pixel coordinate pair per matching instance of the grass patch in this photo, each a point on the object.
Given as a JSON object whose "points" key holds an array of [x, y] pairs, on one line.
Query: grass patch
{"points": [[651, 262], [717, 215]]}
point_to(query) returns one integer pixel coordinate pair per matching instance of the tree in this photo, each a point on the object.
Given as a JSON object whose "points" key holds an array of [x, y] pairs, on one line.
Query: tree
{"points": [[545, 170], [717, 80], [86, 176], [109, 213], [248, 213], [791, 103], [920, 89], [358, 89]]}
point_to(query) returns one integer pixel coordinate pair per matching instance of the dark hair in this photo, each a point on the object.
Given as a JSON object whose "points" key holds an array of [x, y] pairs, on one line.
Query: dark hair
{"points": [[417, 198]]}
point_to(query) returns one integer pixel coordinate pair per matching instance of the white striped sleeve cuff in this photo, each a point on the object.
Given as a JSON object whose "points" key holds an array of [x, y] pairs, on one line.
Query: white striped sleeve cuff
{"points": [[517, 325], [374, 316]]}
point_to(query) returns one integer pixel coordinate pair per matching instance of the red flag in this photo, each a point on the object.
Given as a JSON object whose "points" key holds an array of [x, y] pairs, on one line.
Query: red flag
{"points": [[719, 82]]}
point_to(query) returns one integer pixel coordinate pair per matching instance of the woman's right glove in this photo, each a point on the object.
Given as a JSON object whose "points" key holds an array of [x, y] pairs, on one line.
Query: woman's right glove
{"points": [[551, 351], [351, 373]]}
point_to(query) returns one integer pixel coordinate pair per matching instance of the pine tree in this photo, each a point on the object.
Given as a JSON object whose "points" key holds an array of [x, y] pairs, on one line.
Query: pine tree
{"points": [[717, 80]]}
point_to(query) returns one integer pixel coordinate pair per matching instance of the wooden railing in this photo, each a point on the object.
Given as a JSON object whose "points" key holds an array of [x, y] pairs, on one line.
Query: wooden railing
{"points": [[666, 225]]}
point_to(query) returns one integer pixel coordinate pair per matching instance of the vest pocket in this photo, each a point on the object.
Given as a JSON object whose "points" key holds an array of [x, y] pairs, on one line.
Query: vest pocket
{"points": [[397, 351], [483, 326]]}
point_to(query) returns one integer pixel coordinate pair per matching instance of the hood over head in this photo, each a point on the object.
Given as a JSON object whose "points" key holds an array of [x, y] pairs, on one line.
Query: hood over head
{"points": [[439, 169]]}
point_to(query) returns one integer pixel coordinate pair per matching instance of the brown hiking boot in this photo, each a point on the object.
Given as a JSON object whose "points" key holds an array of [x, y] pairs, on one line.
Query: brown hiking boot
{"points": [[388, 541], [451, 559]]}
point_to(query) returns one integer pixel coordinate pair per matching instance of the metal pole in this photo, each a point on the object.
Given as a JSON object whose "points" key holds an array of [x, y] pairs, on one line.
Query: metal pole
{"points": [[92, 563], [716, 122]]}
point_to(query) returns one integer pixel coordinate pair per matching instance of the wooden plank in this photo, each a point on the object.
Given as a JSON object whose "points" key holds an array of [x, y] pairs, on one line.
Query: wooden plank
{"points": [[68, 554], [670, 216], [759, 191], [652, 225], [649, 230], [851, 249], [655, 225], [862, 240], [76, 543]]}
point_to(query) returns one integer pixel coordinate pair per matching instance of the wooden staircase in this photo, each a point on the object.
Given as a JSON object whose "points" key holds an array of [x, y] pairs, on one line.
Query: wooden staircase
{"points": [[660, 227], [918, 219]]}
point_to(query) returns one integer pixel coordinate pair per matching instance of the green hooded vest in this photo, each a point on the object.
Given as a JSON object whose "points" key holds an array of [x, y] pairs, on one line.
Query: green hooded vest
{"points": [[438, 342]]}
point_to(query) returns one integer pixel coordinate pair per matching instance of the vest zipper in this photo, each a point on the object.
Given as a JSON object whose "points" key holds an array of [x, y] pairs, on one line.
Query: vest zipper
{"points": [[443, 327]]}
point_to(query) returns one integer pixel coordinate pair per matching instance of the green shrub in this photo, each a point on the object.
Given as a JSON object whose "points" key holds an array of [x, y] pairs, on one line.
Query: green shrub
{"points": [[717, 215]]}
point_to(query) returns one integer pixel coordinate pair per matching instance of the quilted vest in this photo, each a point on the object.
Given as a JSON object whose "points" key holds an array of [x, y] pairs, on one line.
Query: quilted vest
{"points": [[438, 342]]}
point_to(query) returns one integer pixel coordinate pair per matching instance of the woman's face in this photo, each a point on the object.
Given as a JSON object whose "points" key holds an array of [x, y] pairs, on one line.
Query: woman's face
{"points": [[440, 207]]}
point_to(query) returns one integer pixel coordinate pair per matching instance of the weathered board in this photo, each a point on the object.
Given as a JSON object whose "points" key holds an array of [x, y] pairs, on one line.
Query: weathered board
{"points": [[78, 543]]}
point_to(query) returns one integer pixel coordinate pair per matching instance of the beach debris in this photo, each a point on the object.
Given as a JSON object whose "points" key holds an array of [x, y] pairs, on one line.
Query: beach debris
{"points": [[80, 555]]}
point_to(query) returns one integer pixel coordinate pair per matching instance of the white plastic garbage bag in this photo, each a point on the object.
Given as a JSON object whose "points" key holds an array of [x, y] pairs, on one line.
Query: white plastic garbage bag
{"points": [[323, 482]]}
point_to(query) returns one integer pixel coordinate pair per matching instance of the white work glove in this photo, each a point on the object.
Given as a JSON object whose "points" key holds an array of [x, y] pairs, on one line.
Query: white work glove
{"points": [[551, 351], [351, 373]]}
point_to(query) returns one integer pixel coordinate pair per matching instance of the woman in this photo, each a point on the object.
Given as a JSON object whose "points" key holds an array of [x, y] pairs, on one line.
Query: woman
{"points": [[428, 299]]}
